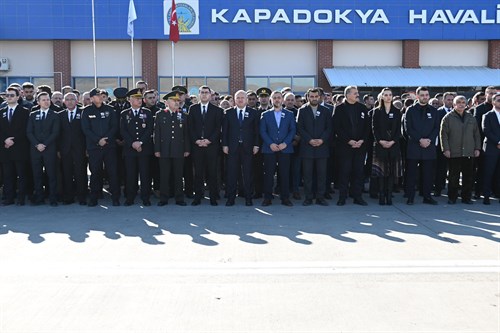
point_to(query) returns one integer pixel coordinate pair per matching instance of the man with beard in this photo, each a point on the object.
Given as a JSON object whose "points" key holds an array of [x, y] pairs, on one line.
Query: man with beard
{"points": [[258, 160]]}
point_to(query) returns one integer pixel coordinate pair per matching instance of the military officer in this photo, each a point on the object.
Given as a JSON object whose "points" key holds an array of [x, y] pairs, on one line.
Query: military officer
{"points": [[263, 94], [171, 146], [136, 129]]}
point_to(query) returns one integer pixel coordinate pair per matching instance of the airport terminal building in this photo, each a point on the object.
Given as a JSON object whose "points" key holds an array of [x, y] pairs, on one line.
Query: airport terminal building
{"points": [[231, 45]]}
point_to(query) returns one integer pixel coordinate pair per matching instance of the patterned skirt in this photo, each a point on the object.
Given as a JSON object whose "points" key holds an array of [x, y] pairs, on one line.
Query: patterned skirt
{"points": [[386, 167]]}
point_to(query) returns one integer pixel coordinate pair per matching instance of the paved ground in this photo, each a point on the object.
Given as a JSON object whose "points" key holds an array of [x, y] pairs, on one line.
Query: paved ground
{"points": [[227, 269]]}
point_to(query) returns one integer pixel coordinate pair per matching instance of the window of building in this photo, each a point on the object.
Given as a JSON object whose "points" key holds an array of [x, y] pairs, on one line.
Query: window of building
{"points": [[219, 84], [107, 83], [37, 81], [299, 84]]}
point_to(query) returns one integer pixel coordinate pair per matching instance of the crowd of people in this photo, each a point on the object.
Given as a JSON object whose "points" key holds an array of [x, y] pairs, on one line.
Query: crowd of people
{"points": [[65, 147]]}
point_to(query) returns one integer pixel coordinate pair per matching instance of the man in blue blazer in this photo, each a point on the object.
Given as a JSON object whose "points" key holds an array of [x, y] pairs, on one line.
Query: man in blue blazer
{"points": [[491, 147], [277, 129], [240, 141]]}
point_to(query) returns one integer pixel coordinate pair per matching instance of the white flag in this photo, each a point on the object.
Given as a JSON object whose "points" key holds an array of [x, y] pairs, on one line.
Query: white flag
{"points": [[132, 16]]}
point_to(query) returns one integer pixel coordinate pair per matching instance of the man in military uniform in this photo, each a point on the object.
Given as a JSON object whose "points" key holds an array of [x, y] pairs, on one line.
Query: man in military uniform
{"points": [[150, 101], [171, 146], [100, 127], [136, 129], [42, 131], [258, 160], [119, 104]]}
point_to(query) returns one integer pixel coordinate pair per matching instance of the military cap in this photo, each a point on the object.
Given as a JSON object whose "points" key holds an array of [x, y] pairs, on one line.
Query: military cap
{"points": [[120, 92], [135, 93], [172, 95], [264, 91], [94, 92], [181, 89]]}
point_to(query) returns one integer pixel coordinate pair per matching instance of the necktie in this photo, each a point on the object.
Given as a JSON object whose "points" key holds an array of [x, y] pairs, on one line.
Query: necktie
{"points": [[240, 117], [71, 116], [43, 115], [10, 114], [204, 110], [135, 113]]}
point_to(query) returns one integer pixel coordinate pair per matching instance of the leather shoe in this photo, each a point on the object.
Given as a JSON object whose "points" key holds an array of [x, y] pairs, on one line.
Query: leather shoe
{"points": [[257, 196], [248, 202], [321, 202], [83, 203], [162, 203], [430, 201], [409, 202], [467, 201], [195, 202], [92, 203], [452, 201], [146, 203], [486, 201], [266, 202], [296, 196], [360, 202], [341, 202], [20, 203], [180, 203], [213, 202], [229, 202], [437, 193], [116, 203], [7, 202], [68, 202], [286, 202], [53, 203], [307, 202], [128, 203], [328, 196]]}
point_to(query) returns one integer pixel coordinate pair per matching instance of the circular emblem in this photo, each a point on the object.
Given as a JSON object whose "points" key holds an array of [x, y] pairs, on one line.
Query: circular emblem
{"points": [[186, 17]]}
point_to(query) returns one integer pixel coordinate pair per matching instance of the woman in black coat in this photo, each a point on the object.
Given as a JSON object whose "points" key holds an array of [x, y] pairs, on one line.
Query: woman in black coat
{"points": [[386, 127]]}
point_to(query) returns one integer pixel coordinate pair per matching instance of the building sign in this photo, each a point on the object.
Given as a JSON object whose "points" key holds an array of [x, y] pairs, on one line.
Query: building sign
{"points": [[258, 20]]}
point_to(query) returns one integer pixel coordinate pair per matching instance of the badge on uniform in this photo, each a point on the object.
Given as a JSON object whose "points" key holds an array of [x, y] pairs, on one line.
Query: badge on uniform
{"points": [[106, 113], [144, 125], [142, 116], [37, 117], [391, 115], [282, 115], [4, 114], [362, 115], [103, 115], [246, 114], [91, 116], [318, 113], [429, 116], [78, 116], [179, 116]]}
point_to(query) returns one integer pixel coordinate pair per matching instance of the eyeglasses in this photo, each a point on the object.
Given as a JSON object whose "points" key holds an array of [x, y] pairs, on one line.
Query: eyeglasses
{"points": [[10, 95]]}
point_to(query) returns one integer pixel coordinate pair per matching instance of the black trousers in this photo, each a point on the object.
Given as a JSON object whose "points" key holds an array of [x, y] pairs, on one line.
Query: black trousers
{"points": [[40, 161], [74, 176], [441, 169], [457, 166], [12, 172], [96, 159], [205, 158], [258, 171], [137, 165], [351, 170], [171, 170], [308, 167], [427, 174], [490, 167], [239, 163], [283, 161]]}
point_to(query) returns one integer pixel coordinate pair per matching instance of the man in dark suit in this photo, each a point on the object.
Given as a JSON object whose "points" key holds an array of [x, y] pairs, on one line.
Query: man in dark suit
{"points": [[136, 129], [421, 125], [352, 128], [314, 127], [72, 152], [171, 146], [15, 149], [100, 127], [491, 147], [205, 122], [277, 130], [42, 131], [240, 141]]}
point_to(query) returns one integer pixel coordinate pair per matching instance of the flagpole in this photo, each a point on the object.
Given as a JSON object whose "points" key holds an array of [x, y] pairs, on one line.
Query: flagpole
{"points": [[133, 62], [173, 63], [93, 44]]}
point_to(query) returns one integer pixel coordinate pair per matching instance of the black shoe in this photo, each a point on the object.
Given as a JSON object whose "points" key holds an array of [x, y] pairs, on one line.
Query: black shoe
{"points": [[196, 202], [116, 203], [7, 202], [248, 202], [230, 202], [452, 201], [83, 203], [181, 203], [266, 202], [213, 202], [388, 199], [328, 196], [53, 203], [20, 202], [360, 202], [68, 202], [409, 202], [162, 203], [189, 195], [146, 203], [127, 203], [477, 196], [430, 201], [437, 193], [257, 195], [467, 201], [321, 202], [381, 200], [296, 196], [341, 202], [92, 203], [486, 201], [286, 202], [307, 202], [38, 203]]}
